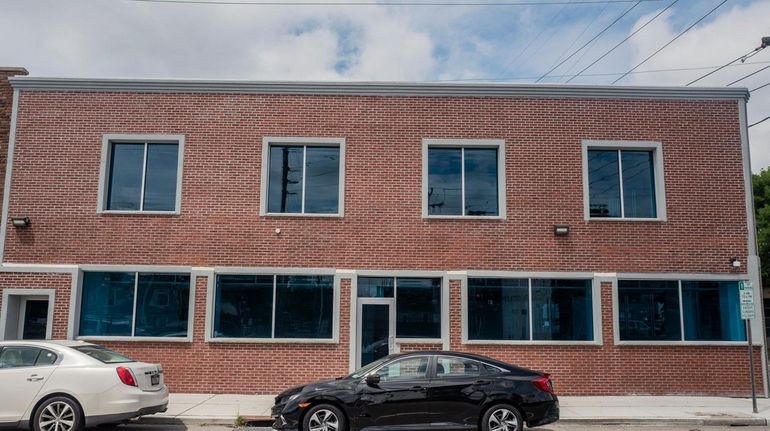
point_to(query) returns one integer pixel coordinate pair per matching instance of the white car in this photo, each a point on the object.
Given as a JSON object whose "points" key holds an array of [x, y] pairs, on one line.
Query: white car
{"points": [[69, 385]]}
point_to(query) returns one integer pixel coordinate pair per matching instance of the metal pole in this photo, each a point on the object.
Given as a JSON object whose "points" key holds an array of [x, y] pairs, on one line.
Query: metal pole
{"points": [[751, 366]]}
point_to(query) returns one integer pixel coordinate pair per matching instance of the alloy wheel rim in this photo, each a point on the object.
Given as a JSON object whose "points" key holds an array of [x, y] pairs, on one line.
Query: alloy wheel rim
{"points": [[57, 416], [503, 420], [322, 420]]}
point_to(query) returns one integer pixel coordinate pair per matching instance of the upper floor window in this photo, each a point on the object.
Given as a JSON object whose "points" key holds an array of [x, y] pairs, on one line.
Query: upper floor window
{"points": [[624, 180], [304, 176], [463, 178], [141, 173]]}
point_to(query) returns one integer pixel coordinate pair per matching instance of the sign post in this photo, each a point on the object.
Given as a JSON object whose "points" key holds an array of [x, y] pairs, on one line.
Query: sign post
{"points": [[746, 291]]}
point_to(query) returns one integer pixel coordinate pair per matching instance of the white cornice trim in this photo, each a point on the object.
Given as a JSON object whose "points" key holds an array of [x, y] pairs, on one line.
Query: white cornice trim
{"points": [[376, 88]]}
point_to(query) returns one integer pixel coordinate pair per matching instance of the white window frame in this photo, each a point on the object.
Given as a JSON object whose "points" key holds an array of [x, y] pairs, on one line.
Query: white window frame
{"points": [[596, 306], [660, 190], [499, 144], [24, 293], [104, 170], [300, 142], [78, 293], [275, 272]]}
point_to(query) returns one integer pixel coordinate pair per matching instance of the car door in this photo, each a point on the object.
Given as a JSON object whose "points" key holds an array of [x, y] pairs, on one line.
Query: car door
{"points": [[457, 392], [23, 372], [399, 400]]}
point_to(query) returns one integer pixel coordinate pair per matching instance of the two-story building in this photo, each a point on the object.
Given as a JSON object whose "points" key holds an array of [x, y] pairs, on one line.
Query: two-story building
{"points": [[250, 235]]}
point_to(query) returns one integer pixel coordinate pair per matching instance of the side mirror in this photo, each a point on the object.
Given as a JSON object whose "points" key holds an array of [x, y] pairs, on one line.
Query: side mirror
{"points": [[373, 379]]}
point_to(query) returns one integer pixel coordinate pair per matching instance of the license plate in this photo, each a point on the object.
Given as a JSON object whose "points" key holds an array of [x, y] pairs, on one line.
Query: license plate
{"points": [[155, 379]]}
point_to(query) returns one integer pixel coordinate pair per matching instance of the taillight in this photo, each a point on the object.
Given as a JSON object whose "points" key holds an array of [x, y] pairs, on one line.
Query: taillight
{"points": [[125, 376], [544, 383]]}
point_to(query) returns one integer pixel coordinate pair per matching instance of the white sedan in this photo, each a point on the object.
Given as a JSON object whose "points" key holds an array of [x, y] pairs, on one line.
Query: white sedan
{"points": [[69, 385]]}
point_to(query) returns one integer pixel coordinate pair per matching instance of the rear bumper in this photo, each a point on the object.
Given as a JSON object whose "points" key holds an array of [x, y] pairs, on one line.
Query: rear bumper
{"points": [[542, 413], [120, 417], [122, 403]]}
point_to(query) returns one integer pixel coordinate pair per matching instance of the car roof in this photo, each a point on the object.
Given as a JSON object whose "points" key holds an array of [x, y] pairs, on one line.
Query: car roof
{"points": [[49, 343], [475, 357]]}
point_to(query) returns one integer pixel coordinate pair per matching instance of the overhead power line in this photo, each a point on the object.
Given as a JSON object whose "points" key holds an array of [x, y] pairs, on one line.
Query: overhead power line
{"points": [[598, 35], [748, 76], [760, 121], [389, 3], [742, 58], [672, 40], [760, 87], [624, 40]]}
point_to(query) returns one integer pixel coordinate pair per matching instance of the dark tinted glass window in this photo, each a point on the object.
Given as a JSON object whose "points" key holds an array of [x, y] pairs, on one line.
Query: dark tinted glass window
{"points": [[322, 180], [18, 356], [244, 306], [285, 179], [562, 310], [418, 307], [603, 183], [481, 182], [107, 303], [160, 180], [103, 354], [125, 183], [711, 311], [304, 306], [162, 305], [649, 310], [451, 366], [45, 357], [445, 181], [498, 309], [638, 184], [375, 287]]}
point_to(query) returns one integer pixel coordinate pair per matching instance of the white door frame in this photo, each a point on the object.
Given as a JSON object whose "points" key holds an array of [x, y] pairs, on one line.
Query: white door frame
{"points": [[23, 313], [49, 294], [391, 303]]}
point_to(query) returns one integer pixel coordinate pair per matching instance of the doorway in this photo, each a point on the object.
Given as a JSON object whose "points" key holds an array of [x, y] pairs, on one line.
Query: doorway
{"points": [[27, 314], [376, 329]]}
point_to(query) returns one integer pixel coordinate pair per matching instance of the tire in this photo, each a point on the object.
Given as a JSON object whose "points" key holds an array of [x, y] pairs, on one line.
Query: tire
{"points": [[324, 417], [62, 409], [502, 417]]}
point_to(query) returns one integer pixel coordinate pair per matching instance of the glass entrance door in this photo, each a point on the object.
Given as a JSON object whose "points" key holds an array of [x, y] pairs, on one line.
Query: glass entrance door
{"points": [[376, 329], [33, 321]]}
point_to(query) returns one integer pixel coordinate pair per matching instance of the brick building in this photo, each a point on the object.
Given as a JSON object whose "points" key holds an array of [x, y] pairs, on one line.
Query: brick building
{"points": [[253, 235]]}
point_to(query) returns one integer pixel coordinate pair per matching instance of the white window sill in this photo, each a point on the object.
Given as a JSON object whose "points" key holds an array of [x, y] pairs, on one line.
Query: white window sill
{"points": [[622, 219], [133, 339], [308, 215], [133, 212], [687, 343], [460, 217], [272, 340], [532, 343]]}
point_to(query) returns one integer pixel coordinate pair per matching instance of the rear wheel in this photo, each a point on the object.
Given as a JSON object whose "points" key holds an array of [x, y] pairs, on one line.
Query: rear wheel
{"points": [[502, 417], [324, 417], [58, 414]]}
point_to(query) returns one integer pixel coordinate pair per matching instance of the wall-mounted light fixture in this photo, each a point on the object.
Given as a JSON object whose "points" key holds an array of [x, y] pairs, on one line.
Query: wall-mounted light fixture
{"points": [[735, 262], [20, 221], [561, 229]]}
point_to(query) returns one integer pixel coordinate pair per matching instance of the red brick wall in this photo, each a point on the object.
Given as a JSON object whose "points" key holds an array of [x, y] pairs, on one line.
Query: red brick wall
{"points": [[62, 283], [57, 173], [6, 106]]}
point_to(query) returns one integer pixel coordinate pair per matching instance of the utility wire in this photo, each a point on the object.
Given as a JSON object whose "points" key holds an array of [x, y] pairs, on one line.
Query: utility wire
{"points": [[624, 40], [748, 76], [760, 87], [598, 35], [386, 3], [743, 57], [760, 121], [580, 36], [671, 41]]}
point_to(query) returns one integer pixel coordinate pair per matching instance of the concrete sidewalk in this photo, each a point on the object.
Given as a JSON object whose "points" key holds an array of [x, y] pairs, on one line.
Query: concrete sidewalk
{"points": [[223, 409]]}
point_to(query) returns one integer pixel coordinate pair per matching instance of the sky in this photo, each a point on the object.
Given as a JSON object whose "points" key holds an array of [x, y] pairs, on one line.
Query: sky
{"points": [[458, 43]]}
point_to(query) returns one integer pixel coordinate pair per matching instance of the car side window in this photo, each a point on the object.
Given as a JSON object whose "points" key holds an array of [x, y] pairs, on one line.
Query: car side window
{"points": [[449, 366], [405, 369], [45, 357], [18, 356], [490, 369]]}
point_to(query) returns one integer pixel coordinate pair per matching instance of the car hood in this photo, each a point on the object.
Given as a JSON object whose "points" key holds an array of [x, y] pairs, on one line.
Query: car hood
{"points": [[320, 385]]}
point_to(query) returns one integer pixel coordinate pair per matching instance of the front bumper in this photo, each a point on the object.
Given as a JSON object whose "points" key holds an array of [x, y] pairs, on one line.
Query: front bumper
{"points": [[285, 419]]}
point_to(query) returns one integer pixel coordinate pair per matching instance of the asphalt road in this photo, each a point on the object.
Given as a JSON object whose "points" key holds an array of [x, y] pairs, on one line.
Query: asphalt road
{"points": [[557, 427]]}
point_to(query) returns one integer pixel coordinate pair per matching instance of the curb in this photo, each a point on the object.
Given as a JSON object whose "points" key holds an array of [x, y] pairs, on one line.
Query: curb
{"points": [[720, 421]]}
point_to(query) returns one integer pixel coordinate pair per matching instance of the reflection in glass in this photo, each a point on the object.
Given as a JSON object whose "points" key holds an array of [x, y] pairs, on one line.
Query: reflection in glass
{"points": [[304, 306], [160, 181], [649, 310], [162, 305], [285, 179], [481, 182], [418, 307], [498, 309], [638, 184], [604, 183], [322, 180], [125, 183], [711, 311], [445, 181], [244, 306], [375, 332], [375, 287], [107, 303], [562, 310]]}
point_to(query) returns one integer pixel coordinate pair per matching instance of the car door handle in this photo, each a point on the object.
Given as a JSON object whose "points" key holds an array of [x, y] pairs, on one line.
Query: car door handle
{"points": [[482, 382], [34, 378], [419, 388]]}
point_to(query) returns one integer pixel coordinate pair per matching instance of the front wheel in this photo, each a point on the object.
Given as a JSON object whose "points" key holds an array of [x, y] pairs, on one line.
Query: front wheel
{"points": [[58, 414], [502, 417], [324, 417]]}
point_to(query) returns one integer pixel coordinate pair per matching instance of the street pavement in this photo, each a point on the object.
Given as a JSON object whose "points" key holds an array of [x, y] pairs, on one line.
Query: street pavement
{"points": [[555, 427]]}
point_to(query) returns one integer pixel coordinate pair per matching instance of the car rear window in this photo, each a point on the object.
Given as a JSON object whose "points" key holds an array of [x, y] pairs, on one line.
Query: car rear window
{"points": [[103, 354]]}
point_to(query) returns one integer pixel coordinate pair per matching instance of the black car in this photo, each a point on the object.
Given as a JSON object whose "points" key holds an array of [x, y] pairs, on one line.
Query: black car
{"points": [[419, 391]]}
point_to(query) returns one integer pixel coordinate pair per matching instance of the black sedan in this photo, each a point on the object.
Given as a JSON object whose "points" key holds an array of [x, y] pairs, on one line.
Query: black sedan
{"points": [[419, 391]]}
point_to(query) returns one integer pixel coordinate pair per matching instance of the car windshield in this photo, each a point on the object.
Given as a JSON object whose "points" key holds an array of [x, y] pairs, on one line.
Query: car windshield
{"points": [[103, 354], [367, 368]]}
